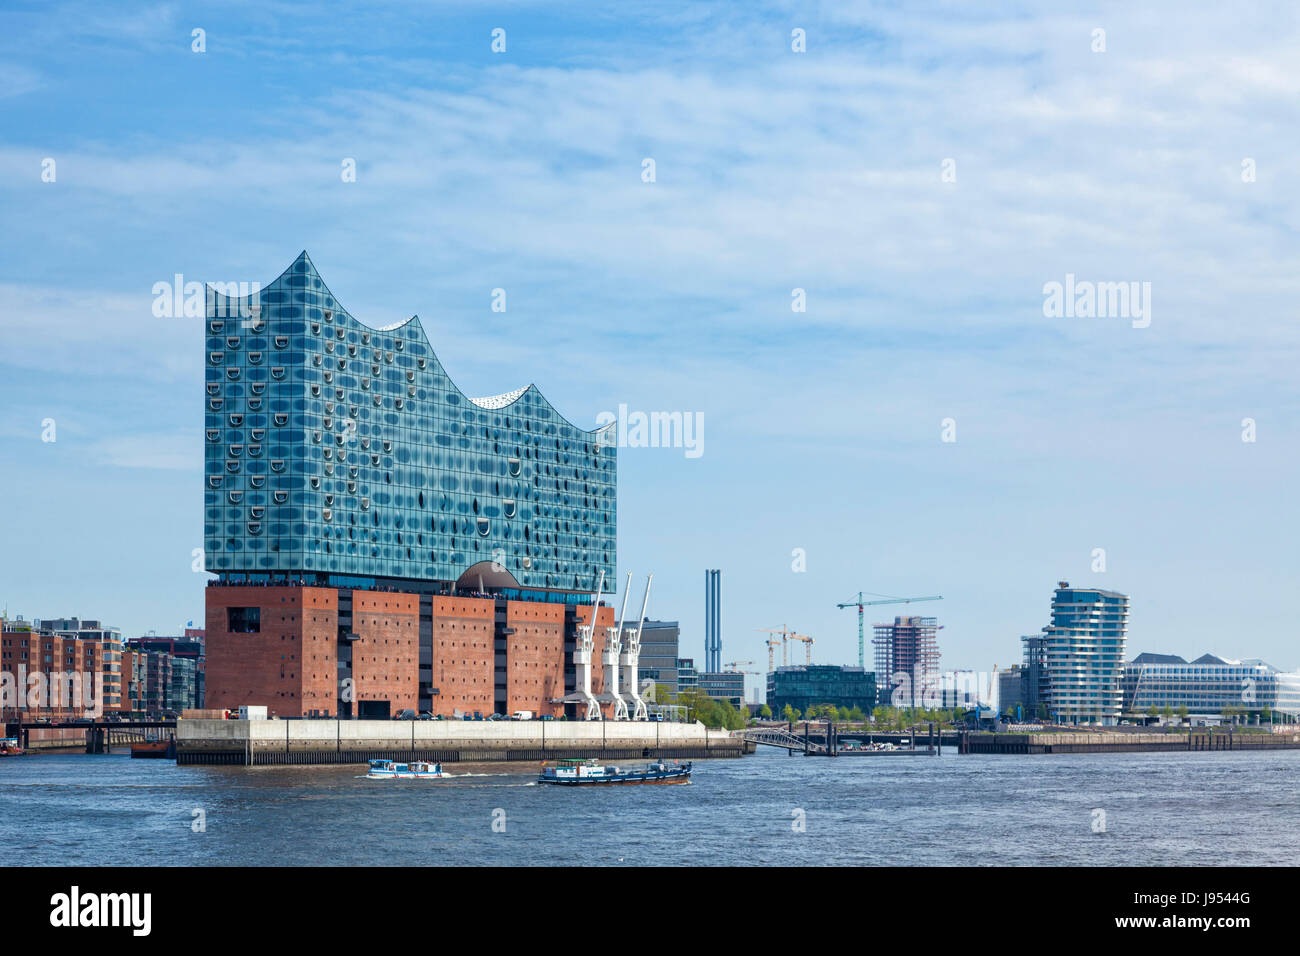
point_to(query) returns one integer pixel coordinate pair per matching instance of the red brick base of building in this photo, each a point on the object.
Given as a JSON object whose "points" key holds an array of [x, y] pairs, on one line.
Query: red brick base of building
{"points": [[283, 647]]}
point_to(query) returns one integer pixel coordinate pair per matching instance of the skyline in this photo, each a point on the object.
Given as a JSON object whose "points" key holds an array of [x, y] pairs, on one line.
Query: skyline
{"points": [[775, 171]]}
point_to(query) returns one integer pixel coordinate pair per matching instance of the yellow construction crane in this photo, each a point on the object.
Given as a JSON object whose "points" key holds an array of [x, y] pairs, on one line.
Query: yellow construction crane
{"points": [[807, 645], [785, 633]]}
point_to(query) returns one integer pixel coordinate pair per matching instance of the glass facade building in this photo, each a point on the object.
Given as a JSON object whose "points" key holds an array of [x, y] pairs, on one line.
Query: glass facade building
{"points": [[724, 685], [803, 686], [658, 660], [1075, 667], [342, 455], [1209, 686]]}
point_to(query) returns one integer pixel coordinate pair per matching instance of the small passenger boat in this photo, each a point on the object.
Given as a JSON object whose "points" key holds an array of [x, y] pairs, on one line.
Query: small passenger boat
{"points": [[416, 770]]}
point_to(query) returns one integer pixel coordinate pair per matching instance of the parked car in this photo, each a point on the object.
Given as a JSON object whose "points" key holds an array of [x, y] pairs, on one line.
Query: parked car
{"points": [[405, 715]]}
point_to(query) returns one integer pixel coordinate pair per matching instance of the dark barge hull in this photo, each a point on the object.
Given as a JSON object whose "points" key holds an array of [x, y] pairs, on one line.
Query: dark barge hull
{"points": [[682, 776]]}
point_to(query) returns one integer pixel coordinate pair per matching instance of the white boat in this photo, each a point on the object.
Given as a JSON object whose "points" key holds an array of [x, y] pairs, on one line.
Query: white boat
{"points": [[416, 770]]}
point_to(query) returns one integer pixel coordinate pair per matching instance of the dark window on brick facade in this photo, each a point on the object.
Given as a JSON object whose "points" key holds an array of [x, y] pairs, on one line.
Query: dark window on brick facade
{"points": [[244, 620]]}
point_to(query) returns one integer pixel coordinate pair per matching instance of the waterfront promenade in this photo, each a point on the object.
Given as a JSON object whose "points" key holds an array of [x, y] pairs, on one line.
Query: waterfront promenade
{"points": [[262, 742]]}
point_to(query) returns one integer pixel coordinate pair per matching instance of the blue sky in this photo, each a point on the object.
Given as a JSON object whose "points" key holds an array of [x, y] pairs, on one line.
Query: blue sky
{"points": [[775, 170]]}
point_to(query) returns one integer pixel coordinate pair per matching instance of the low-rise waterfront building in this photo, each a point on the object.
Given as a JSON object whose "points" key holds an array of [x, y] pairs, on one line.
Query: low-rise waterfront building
{"points": [[658, 661], [1012, 688], [687, 675], [1209, 688], [724, 685], [804, 685]]}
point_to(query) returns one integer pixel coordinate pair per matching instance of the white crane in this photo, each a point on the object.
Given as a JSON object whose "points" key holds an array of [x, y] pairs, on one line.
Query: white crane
{"points": [[611, 655], [582, 653], [632, 656]]}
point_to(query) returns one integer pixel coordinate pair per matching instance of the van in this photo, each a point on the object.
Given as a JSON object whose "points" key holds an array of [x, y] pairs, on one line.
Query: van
{"points": [[522, 715]]}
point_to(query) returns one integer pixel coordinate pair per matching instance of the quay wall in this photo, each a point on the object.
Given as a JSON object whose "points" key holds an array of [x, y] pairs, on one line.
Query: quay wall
{"points": [[266, 742], [1104, 742]]}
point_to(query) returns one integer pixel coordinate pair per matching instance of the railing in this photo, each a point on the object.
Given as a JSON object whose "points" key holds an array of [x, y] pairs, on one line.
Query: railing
{"points": [[775, 737]]}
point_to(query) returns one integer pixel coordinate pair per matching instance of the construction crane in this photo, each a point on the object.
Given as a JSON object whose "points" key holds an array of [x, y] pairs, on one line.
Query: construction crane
{"points": [[860, 604], [807, 645], [785, 633], [732, 665]]}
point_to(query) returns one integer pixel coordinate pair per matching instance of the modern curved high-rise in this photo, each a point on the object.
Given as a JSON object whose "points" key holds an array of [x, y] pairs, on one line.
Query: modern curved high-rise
{"points": [[339, 450], [368, 521]]}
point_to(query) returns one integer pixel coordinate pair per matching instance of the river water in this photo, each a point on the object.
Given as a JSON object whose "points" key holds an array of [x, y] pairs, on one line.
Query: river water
{"points": [[769, 808]]}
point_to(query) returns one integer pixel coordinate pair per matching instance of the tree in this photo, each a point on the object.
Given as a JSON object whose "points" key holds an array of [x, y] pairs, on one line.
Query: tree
{"points": [[765, 712]]}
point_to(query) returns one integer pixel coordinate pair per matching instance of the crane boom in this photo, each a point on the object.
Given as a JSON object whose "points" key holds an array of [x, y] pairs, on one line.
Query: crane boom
{"points": [[860, 604]]}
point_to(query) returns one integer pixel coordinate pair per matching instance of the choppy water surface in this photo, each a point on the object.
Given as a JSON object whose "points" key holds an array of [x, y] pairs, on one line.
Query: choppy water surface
{"points": [[1187, 809]]}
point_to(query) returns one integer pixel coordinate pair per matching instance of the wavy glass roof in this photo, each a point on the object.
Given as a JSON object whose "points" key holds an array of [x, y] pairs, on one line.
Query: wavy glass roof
{"points": [[337, 447]]}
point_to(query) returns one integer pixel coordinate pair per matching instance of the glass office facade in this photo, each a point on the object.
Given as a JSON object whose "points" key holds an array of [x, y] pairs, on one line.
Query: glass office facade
{"points": [[334, 449], [1209, 687], [658, 661], [804, 686]]}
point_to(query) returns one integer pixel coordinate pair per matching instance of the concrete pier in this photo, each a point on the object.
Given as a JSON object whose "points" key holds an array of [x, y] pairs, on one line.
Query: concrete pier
{"points": [[1114, 742], [268, 742]]}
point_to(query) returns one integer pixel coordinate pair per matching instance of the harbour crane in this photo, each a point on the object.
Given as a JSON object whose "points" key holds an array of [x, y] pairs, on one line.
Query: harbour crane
{"points": [[860, 604], [631, 657], [582, 655], [613, 650]]}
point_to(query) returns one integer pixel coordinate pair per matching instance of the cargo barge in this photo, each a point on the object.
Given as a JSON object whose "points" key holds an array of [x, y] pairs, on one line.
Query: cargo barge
{"points": [[583, 773]]}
